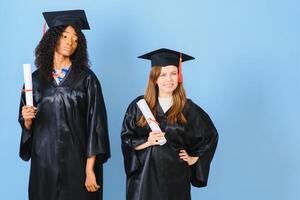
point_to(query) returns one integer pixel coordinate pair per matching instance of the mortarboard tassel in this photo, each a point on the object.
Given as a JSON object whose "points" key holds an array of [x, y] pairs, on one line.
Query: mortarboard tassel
{"points": [[180, 80], [44, 28]]}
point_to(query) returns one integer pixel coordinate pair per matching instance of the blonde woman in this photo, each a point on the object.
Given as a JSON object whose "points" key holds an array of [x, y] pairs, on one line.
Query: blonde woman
{"points": [[165, 172]]}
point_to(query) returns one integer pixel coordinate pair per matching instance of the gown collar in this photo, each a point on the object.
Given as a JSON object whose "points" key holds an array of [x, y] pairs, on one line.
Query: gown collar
{"points": [[67, 72]]}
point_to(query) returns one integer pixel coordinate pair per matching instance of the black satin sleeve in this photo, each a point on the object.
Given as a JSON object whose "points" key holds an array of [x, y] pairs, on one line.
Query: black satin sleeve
{"points": [[97, 130], [132, 137], [203, 145], [26, 135]]}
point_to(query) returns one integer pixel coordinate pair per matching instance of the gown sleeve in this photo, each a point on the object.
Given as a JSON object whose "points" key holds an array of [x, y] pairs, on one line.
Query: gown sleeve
{"points": [[97, 131], [205, 139], [131, 139], [26, 135]]}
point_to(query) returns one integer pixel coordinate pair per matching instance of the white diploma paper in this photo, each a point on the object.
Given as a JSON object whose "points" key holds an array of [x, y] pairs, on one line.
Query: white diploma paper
{"points": [[143, 106], [28, 84]]}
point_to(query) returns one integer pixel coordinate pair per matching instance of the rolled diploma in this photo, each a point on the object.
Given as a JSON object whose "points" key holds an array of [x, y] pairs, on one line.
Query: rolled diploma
{"points": [[28, 84], [143, 106]]}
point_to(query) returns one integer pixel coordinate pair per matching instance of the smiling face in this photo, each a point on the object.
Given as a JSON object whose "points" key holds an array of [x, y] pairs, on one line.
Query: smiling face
{"points": [[167, 81], [67, 43]]}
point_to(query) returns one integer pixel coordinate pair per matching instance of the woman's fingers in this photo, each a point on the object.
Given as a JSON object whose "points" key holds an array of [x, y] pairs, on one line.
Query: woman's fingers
{"points": [[155, 133], [88, 188], [183, 155], [185, 159], [92, 187], [153, 141], [152, 133], [159, 138], [91, 183], [29, 108], [155, 137], [28, 112], [28, 115]]}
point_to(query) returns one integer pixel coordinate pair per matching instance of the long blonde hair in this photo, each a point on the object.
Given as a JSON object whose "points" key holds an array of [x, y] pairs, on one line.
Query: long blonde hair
{"points": [[151, 96]]}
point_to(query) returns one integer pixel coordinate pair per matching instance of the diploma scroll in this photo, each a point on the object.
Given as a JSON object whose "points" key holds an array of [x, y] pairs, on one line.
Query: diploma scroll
{"points": [[28, 84], [142, 104]]}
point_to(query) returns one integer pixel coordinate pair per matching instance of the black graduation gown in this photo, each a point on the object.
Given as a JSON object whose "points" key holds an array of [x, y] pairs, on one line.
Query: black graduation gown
{"points": [[70, 125], [157, 172]]}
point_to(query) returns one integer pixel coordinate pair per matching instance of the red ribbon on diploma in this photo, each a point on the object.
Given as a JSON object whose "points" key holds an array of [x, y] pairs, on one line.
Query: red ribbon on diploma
{"points": [[26, 90]]}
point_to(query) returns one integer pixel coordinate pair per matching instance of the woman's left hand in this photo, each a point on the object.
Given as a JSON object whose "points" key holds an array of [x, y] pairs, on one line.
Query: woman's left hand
{"points": [[90, 182], [189, 159]]}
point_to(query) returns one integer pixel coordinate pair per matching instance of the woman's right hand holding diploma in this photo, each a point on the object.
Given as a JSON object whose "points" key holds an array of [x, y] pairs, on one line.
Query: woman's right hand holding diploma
{"points": [[28, 113], [153, 139]]}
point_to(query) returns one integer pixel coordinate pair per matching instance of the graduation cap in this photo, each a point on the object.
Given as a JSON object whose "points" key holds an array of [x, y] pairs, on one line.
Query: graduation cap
{"points": [[67, 17], [164, 57]]}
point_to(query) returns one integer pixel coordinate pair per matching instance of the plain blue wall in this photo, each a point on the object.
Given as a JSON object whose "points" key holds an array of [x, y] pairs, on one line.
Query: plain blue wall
{"points": [[246, 76]]}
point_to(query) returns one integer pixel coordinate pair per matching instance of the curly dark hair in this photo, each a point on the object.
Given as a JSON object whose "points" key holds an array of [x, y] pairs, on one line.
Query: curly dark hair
{"points": [[44, 52]]}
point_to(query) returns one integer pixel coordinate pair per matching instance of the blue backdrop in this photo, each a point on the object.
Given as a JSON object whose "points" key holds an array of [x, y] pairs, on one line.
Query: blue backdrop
{"points": [[246, 76]]}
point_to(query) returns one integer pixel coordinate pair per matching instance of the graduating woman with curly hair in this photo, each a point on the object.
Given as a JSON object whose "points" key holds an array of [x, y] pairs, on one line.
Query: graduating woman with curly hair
{"points": [[65, 133], [165, 171]]}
